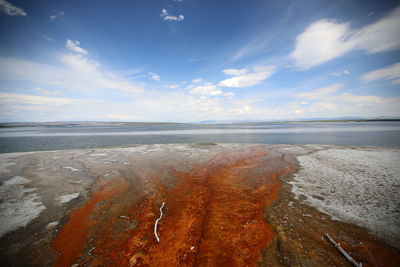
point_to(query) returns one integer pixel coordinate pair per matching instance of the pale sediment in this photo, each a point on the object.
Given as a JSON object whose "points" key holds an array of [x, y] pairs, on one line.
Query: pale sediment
{"points": [[359, 186]]}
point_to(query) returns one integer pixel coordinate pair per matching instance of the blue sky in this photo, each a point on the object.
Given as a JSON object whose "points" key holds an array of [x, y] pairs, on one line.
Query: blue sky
{"points": [[194, 60]]}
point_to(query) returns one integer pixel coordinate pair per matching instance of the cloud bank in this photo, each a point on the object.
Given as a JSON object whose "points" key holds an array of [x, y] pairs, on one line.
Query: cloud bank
{"points": [[331, 101]]}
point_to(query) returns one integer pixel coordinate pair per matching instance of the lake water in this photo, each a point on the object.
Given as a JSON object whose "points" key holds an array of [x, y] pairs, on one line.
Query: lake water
{"points": [[17, 139]]}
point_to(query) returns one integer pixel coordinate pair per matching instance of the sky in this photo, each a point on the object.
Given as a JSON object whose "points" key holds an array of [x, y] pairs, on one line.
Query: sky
{"points": [[198, 60]]}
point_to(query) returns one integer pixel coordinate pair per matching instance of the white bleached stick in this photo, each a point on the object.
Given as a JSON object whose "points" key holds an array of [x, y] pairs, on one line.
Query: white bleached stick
{"points": [[344, 253], [156, 223]]}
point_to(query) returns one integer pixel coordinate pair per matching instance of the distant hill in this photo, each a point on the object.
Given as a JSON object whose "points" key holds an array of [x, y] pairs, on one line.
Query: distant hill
{"points": [[100, 123], [77, 123], [339, 119]]}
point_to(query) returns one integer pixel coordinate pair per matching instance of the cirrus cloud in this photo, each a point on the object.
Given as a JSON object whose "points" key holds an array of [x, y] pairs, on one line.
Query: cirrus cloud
{"points": [[321, 92], [73, 72], [10, 9], [391, 72], [331, 94], [326, 39]]}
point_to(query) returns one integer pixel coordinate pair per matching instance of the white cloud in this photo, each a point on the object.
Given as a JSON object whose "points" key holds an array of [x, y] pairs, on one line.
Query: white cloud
{"points": [[331, 102], [6, 98], [396, 82], [154, 76], [74, 72], [56, 15], [83, 71], [228, 94], [235, 72], [10, 9], [120, 117], [47, 92], [321, 42], [242, 79], [391, 72], [46, 37], [179, 106], [253, 46], [74, 46], [159, 106], [246, 110], [198, 80], [383, 35], [320, 93], [331, 94], [166, 16], [207, 90], [79, 62], [340, 73], [325, 40], [362, 99]]}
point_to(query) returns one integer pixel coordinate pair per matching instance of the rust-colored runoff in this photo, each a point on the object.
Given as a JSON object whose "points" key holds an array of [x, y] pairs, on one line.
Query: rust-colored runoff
{"points": [[71, 241], [213, 216]]}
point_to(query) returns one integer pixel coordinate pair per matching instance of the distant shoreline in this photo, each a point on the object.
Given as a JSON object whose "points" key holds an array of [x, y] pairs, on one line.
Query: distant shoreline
{"points": [[93, 123]]}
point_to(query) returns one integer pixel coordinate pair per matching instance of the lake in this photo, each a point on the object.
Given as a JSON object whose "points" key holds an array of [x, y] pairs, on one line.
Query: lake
{"points": [[18, 139]]}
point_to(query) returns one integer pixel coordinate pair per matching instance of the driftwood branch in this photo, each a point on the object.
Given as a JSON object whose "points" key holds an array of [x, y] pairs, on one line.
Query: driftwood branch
{"points": [[343, 252], [156, 223]]}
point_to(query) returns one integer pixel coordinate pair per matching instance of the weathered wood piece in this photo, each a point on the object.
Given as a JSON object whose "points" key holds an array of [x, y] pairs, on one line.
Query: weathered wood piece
{"points": [[156, 223], [343, 252]]}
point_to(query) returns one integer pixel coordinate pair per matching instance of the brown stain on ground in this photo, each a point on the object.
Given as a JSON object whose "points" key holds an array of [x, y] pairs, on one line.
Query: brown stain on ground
{"points": [[231, 211], [71, 242], [214, 215]]}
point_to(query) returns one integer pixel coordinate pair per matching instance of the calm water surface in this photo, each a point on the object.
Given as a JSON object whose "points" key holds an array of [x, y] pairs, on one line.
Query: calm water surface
{"points": [[16, 139]]}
